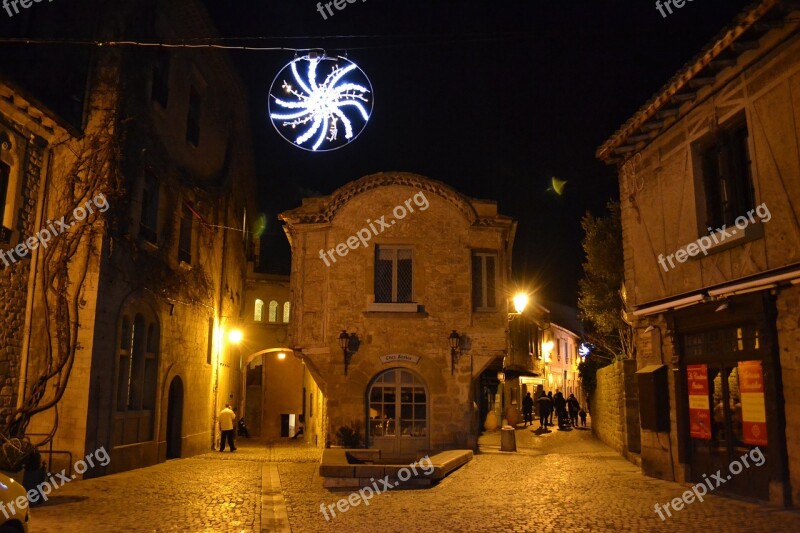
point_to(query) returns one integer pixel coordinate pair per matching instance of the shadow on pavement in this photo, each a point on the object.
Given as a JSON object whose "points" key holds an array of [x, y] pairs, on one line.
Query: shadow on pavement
{"points": [[53, 501]]}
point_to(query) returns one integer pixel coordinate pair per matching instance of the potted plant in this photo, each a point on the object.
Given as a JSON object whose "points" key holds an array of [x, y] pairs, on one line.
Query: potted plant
{"points": [[35, 472], [349, 436]]}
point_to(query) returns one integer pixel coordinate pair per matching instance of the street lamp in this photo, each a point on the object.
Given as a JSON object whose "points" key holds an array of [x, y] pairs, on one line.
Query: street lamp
{"points": [[344, 344], [235, 336], [520, 302], [281, 356], [455, 343]]}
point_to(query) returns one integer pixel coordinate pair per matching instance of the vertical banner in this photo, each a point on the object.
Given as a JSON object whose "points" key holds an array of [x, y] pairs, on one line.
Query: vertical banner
{"points": [[754, 415], [699, 411]]}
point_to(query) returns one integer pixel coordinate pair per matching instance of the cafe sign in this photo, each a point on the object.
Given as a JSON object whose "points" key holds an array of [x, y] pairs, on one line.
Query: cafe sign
{"points": [[399, 357]]}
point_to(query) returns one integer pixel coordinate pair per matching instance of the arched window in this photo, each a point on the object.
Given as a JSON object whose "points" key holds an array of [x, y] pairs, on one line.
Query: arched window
{"points": [[258, 316], [273, 311], [286, 307], [137, 376]]}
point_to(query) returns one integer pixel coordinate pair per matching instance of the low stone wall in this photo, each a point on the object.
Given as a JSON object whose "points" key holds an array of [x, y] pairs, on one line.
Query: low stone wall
{"points": [[614, 407]]}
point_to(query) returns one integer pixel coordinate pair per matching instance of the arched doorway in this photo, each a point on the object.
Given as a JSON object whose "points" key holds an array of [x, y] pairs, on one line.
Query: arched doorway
{"points": [[397, 403], [174, 418]]}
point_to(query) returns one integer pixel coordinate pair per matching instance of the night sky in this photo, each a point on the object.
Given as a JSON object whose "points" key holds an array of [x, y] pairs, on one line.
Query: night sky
{"points": [[493, 98]]}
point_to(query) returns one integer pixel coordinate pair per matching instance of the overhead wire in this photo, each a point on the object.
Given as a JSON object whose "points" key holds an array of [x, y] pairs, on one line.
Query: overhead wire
{"points": [[218, 42]]}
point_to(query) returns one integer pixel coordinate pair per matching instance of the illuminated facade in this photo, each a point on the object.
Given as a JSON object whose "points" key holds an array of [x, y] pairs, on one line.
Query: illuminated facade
{"points": [[709, 187], [164, 276], [399, 286]]}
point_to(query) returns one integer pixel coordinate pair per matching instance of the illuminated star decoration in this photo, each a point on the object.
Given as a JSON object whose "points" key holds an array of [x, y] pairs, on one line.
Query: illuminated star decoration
{"points": [[311, 115], [557, 186]]}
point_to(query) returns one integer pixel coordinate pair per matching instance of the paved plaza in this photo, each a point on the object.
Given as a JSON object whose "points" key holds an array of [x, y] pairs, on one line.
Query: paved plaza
{"points": [[557, 481]]}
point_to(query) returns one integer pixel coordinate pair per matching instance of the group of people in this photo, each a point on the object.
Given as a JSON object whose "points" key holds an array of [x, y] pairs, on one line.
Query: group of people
{"points": [[550, 404]]}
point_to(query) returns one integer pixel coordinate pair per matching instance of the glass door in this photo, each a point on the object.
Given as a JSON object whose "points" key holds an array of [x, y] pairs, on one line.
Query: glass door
{"points": [[398, 414]]}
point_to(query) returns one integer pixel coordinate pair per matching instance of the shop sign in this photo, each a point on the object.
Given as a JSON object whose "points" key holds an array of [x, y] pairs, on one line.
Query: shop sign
{"points": [[399, 357], [754, 416], [699, 410]]}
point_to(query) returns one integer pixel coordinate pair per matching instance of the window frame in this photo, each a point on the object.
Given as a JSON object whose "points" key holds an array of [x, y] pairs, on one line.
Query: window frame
{"points": [[194, 113], [150, 206], [395, 248], [258, 310], [159, 90], [719, 208], [482, 255], [136, 376], [185, 232]]}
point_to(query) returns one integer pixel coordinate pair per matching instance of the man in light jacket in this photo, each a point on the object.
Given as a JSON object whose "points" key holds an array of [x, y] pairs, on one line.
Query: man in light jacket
{"points": [[226, 419]]}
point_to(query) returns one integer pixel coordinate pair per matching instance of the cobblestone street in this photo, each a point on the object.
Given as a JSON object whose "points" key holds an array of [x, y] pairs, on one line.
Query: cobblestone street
{"points": [[557, 481]]}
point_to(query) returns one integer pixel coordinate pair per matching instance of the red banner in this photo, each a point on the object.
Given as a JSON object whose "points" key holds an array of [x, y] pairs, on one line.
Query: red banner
{"points": [[754, 415], [699, 411]]}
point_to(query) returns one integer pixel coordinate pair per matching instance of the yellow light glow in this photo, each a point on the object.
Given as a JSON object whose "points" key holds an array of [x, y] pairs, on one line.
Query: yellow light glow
{"points": [[235, 336], [547, 347], [520, 302], [281, 355]]}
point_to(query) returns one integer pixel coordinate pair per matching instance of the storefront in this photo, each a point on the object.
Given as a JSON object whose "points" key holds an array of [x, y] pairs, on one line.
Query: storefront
{"points": [[730, 404]]}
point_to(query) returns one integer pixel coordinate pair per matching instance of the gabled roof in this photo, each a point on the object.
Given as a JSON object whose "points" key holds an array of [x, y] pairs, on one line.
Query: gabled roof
{"points": [[665, 107]]}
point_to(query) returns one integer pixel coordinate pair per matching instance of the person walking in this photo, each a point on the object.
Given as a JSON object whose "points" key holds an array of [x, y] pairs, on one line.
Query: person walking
{"points": [[527, 409], [545, 408], [573, 407], [226, 418], [582, 412], [550, 395], [560, 404]]}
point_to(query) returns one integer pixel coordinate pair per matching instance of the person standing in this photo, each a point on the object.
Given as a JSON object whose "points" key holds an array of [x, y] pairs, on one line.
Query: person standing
{"points": [[527, 409], [550, 395], [226, 419], [545, 408], [573, 407], [560, 404]]}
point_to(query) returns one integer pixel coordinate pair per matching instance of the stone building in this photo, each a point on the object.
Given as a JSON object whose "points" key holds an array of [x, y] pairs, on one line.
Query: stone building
{"points": [[158, 282], [387, 272], [561, 368], [275, 397], [709, 175]]}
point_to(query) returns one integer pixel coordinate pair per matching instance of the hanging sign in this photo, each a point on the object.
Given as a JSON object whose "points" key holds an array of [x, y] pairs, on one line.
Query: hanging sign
{"points": [[395, 357], [699, 411], [754, 415], [320, 103]]}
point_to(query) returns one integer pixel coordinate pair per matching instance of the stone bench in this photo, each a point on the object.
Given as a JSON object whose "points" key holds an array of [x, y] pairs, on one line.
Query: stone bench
{"points": [[339, 472], [448, 461]]}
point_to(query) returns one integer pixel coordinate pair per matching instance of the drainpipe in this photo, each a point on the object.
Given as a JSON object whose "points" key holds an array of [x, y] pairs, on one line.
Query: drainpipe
{"points": [[28, 327]]}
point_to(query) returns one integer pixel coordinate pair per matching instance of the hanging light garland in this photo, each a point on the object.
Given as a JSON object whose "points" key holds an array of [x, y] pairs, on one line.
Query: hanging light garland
{"points": [[320, 116]]}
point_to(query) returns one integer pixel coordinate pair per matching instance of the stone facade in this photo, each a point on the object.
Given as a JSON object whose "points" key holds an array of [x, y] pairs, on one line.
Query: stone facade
{"points": [[615, 408], [24, 131], [334, 289], [165, 280], [722, 129]]}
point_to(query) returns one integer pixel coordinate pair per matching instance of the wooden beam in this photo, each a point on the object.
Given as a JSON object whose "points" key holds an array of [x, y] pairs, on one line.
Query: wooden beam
{"points": [[696, 83], [653, 125], [743, 46]]}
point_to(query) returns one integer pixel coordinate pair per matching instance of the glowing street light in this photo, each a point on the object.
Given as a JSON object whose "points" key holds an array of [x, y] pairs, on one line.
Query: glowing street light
{"points": [[520, 302], [235, 336], [281, 356]]}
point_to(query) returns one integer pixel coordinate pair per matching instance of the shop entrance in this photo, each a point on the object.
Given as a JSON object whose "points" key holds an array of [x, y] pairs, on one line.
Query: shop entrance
{"points": [[398, 414], [727, 412]]}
